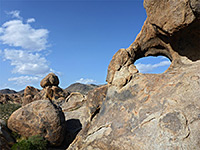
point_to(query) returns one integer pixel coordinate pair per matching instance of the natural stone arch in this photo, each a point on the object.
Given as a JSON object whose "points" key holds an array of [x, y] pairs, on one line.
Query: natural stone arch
{"points": [[148, 111], [172, 39]]}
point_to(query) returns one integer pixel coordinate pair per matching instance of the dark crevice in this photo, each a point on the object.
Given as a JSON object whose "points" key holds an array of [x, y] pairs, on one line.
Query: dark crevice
{"points": [[73, 127], [186, 41], [159, 47], [159, 28], [95, 113]]}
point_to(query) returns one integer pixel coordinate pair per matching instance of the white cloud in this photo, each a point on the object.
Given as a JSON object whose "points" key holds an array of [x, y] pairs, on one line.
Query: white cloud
{"points": [[25, 80], [26, 49], [1, 30], [26, 62], [86, 81], [30, 20], [149, 67], [16, 33], [15, 14]]}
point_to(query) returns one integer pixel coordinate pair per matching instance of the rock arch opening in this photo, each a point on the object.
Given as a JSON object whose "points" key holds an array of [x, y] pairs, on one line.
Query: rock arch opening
{"points": [[152, 64]]}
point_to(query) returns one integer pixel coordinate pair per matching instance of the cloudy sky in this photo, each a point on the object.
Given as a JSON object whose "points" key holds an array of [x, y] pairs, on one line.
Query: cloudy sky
{"points": [[74, 39]]}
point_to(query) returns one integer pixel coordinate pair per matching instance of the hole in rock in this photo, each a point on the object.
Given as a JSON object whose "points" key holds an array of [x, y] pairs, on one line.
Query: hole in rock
{"points": [[152, 64]]}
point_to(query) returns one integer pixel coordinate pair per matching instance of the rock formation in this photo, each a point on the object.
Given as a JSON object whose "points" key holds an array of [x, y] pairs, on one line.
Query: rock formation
{"points": [[134, 111], [153, 111], [50, 91], [46, 118], [50, 80], [11, 98], [80, 109], [30, 95], [95, 98], [39, 118]]}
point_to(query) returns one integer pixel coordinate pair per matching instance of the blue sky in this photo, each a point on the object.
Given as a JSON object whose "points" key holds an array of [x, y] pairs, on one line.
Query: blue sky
{"points": [[74, 39]]}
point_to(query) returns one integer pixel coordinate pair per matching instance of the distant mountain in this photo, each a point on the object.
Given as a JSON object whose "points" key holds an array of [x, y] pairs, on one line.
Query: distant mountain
{"points": [[21, 92], [81, 88], [7, 91]]}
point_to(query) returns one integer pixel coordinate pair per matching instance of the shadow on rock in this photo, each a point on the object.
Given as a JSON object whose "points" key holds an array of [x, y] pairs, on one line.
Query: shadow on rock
{"points": [[73, 127]]}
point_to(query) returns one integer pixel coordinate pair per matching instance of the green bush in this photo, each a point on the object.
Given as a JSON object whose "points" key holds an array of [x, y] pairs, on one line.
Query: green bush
{"points": [[38, 142], [7, 109], [23, 145], [32, 143]]}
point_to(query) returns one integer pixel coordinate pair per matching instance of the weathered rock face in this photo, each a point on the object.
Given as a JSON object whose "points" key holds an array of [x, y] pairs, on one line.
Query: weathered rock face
{"points": [[30, 94], [153, 111], [50, 80], [39, 118], [75, 108], [79, 110], [84, 108], [95, 98]]}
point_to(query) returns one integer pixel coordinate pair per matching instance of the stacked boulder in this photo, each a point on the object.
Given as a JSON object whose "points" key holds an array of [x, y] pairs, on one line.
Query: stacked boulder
{"points": [[50, 91], [39, 114], [55, 114]]}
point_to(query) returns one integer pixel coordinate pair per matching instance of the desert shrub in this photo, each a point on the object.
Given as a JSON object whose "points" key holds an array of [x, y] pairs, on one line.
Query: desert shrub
{"points": [[38, 142], [23, 145], [7, 109], [32, 143], [16, 135]]}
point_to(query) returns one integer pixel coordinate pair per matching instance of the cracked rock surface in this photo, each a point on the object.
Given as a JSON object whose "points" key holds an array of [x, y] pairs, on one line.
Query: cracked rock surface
{"points": [[153, 111]]}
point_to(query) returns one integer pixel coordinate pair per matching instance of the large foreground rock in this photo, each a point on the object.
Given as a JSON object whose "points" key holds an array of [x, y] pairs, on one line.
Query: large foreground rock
{"points": [[39, 118], [153, 111]]}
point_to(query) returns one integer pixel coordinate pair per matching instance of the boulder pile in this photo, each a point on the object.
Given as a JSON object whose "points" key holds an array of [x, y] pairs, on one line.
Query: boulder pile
{"points": [[50, 91], [55, 114]]}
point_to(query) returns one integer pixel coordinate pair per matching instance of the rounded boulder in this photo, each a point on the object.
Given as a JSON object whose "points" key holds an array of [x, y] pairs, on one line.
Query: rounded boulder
{"points": [[50, 80], [39, 118]]}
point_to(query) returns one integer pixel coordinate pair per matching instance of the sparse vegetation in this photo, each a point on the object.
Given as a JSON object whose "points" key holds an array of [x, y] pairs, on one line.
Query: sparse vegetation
{"points": [[7, 109], [16, 136], [32, 143]]}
